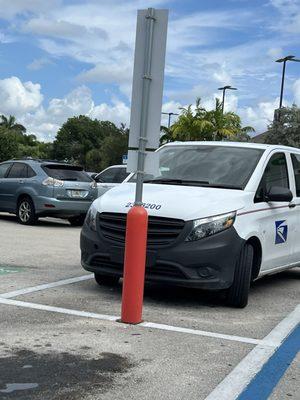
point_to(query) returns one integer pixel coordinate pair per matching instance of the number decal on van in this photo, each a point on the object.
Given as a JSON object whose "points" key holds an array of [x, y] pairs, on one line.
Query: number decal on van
{"points": [[151, 206]]}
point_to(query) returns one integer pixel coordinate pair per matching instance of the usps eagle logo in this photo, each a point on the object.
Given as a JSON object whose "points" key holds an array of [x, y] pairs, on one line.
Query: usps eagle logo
{"points": [[281, 232]]}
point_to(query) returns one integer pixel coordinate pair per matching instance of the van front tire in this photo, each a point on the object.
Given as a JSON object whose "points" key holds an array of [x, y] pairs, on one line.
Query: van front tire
{"points": [[106, 280], [239, 291]]}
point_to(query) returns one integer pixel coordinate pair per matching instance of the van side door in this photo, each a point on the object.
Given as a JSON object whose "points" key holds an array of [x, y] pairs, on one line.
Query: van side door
{"points": [[276, 220], [295, 158]]}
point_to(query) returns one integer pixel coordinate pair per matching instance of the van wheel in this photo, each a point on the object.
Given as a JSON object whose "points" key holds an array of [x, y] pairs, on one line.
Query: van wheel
{"points": [[106, 280], [77, 221], [26, 211], [239, 290]]}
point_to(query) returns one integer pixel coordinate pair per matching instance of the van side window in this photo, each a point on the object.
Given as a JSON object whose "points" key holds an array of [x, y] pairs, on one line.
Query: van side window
{"points": [[296, 166], [276, 174]]}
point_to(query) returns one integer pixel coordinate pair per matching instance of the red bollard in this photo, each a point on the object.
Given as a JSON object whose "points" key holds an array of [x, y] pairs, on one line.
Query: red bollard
{"points": [[134, 265]]}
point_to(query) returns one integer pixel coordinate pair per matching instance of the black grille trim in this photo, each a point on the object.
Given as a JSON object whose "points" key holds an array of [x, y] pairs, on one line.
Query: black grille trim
{"points": [[161, 231], [159, 269]]}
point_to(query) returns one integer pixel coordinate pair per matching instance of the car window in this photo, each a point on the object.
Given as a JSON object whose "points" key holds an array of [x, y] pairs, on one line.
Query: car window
{"points": [[3, 169], [30, 172], [66, 172], [122, 175], [109, 175], [18, 170], [276, 174], [296, 166]]}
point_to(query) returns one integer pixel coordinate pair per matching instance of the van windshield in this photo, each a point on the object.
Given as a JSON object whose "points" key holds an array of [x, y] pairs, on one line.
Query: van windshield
{"points": [[206, 165]]}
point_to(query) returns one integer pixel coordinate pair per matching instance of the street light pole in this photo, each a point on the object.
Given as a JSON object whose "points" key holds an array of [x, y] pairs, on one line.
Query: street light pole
{"points": [[284, 61], [224, 88], [169, 119]]}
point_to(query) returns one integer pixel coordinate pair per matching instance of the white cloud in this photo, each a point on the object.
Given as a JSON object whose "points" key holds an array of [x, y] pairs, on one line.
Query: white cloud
{"points": [[296, 91], [17, 7], [17, 98], [260, 116], [116, 73], [44, 122], [39, 63], [63, 29]]}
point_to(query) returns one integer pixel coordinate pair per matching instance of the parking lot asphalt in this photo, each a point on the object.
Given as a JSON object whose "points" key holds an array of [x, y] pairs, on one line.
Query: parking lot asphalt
{"points": [[61, 341]]}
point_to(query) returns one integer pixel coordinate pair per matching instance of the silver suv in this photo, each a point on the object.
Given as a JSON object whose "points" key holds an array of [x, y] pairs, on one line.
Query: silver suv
{"points": [[38, 188]]}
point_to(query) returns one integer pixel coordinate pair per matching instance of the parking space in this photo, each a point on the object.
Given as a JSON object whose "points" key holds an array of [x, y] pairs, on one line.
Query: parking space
{"points": [[188, 344]]}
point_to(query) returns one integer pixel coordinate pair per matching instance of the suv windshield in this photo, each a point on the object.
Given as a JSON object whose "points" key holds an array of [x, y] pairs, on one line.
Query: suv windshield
{"points": [[206, 165], [67, 173]]}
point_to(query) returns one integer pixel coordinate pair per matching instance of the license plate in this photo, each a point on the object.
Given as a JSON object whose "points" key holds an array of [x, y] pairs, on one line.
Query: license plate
{"points": [[78, 194]]}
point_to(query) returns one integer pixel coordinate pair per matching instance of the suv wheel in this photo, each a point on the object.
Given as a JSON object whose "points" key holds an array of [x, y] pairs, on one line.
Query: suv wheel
{"points": [[239, 291], [26, 212], [77, 221]]}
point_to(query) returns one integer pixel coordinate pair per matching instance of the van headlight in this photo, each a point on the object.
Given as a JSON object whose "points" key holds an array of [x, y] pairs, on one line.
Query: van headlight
{"points": [[91, 217], [209, 226]]}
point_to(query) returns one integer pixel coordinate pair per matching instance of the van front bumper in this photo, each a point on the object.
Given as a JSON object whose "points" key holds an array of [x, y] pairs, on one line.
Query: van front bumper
{"points": [[208, 263]]}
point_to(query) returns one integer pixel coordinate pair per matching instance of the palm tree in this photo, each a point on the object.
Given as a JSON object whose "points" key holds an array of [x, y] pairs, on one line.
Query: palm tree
{"points": [[226, 125], [10, 124], [192, 124]]}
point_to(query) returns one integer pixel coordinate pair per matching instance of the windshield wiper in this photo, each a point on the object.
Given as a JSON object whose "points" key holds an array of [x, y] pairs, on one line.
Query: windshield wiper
{"points": [[170, 181], [225, 186], [187, 182]]}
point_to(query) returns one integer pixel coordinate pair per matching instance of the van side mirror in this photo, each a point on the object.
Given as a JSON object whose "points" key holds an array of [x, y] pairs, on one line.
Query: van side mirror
{"points": [[278, 193]]}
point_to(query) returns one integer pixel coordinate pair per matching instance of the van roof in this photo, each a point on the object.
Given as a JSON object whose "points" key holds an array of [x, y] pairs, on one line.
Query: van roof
{"points": [[234, 144]]}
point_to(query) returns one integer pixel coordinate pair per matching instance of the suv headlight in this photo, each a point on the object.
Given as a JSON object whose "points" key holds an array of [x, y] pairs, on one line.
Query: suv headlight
{"points": [[209, 226], [91, 217]]}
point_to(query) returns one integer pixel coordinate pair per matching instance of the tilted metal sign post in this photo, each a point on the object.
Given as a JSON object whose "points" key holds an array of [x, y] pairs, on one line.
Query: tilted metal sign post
{"points": [[147, 89]]}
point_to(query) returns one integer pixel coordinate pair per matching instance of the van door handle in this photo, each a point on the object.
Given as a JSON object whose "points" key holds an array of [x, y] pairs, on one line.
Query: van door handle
{"points": [[292, 205], [21, 181]]}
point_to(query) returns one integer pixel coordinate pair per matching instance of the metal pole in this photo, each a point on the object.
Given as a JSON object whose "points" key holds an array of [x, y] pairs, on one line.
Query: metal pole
{"points": [[282, 84], [169, 121], [223, 101], [144, 115]]}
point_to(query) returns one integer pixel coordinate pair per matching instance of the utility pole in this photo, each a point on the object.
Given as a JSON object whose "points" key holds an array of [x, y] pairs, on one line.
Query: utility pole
{"points": [[224, 88], [284, 61], [169, 114]]}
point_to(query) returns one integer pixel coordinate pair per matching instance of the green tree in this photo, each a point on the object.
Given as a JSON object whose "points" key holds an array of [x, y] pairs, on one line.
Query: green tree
{"points": [[114, 147], [8, 145], [226, 126], [192, 124], [91, 143], [196, 123], [9, 123], [285, 128]]}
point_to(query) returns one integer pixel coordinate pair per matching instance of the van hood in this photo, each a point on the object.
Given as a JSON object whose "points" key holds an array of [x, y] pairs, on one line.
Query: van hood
{"points": [[173, 201]]}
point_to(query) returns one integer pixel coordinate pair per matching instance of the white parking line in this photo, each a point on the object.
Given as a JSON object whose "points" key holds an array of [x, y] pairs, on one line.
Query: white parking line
{"points": [[32, 289], [59, 310], [144, 324], [200, 333], [234, 383]]}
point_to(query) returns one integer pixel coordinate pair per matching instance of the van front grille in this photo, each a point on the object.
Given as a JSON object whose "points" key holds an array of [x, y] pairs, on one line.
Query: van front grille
{"points": [[161, 231]]}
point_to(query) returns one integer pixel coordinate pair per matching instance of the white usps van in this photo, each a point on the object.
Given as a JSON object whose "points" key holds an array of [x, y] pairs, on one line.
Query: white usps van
{"points": [[221, 214]]}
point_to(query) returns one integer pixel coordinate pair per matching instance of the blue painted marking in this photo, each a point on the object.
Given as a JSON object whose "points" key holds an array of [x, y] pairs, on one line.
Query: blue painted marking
{"points": [[267, 378], [281, 232]]}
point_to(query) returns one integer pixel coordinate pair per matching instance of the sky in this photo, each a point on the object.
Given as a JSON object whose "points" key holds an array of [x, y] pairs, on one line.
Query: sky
{"points": [[60, 58]]}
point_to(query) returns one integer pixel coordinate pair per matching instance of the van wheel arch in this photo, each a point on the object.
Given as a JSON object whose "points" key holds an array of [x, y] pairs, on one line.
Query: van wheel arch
{"points": [[257, 256]]}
